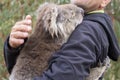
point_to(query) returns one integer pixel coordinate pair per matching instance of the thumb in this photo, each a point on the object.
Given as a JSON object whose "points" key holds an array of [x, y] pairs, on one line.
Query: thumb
{"points": [[28, 17]]}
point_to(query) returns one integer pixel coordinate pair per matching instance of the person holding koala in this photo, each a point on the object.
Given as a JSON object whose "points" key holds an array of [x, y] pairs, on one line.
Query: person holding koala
{"points": [[88, 46]]}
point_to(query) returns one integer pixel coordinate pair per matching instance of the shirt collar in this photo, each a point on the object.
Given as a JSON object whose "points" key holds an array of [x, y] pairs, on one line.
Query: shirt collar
{"points": [[97, 11]]}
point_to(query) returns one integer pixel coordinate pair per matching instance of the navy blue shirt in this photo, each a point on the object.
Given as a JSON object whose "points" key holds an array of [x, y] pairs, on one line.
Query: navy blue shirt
{"points": [[92, 41]]}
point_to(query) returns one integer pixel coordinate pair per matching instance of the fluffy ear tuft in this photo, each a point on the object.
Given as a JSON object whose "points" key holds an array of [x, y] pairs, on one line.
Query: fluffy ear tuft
{"points": [[49, 17]]}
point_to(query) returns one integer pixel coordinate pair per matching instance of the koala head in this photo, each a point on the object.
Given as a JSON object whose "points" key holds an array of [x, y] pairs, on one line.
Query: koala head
{"points": [[59, 20]]}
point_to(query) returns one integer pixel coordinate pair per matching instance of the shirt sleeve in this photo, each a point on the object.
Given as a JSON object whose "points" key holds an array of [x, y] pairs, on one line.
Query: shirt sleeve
{"points": [[10, 55], [75, 58]]}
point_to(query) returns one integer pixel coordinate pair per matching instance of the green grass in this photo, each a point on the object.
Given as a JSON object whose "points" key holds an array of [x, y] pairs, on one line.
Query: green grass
{"points": [[113, 72]]}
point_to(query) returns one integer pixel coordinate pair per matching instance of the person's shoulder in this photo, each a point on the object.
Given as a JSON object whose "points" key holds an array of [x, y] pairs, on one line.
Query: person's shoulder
{"points": [[88, 24]]}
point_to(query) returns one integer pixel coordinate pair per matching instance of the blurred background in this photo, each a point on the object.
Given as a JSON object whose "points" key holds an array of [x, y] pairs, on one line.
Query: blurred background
{"points": [[15, 10]]}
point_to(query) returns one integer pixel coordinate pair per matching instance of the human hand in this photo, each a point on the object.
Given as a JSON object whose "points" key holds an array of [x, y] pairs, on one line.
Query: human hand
{"points": [[20, 31]]}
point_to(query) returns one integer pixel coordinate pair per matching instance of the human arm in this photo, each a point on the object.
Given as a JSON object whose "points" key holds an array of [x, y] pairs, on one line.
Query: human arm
{"points": [[10, 55], [14, 42]]}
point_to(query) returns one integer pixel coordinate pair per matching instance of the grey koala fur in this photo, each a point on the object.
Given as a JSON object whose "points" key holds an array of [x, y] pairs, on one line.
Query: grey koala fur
{"points": [[54, 25]]}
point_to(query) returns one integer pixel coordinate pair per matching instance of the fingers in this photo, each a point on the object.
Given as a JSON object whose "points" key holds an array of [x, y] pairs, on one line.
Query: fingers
{"points": [[20, 31], [14, 43], [19, 35], [22, 28], [17, 38], [25, 22]]}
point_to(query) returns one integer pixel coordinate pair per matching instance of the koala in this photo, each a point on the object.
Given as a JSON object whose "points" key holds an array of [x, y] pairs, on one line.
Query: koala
{"points": [[54, 25]]}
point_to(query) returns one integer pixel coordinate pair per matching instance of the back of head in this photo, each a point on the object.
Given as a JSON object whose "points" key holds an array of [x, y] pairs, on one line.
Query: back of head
{"points": [[91, 5]]}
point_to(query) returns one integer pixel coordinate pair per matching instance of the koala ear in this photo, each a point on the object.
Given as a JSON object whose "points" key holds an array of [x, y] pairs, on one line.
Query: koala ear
{"points": [[53, 25], [48, 13], [50, 19]]}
